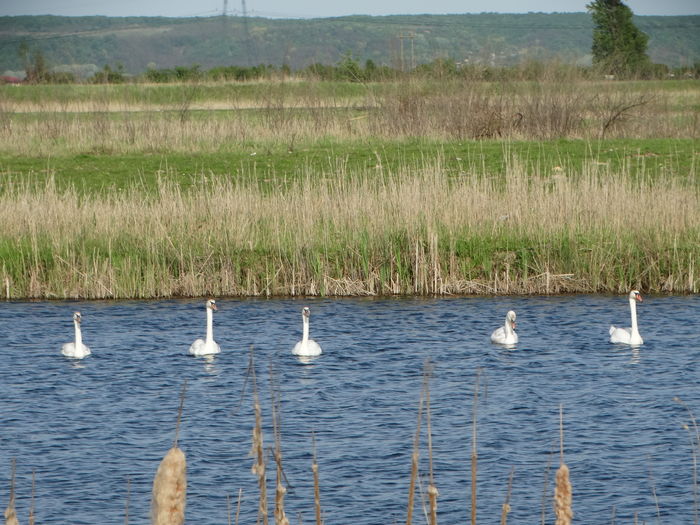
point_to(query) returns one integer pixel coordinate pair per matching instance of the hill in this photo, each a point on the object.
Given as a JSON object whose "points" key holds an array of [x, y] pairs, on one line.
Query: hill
{"points": [[495, 39]]}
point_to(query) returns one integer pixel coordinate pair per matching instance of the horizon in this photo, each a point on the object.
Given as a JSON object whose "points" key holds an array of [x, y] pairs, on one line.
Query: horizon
{"points": [[319, 9]]}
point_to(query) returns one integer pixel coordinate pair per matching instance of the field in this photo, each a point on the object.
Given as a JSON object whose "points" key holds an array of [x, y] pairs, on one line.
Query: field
{"points": [[320, 188]]}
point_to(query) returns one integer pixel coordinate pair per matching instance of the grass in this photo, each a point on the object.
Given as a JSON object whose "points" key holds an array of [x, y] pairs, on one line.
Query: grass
{"points": [[313, 188], [417, 231], [274, 165]]}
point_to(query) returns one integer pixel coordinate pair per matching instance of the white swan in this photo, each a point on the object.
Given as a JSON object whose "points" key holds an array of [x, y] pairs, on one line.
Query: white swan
{"points": [[306, 347], [207, 346], [76, 349], [505, 335], [629, 336]]}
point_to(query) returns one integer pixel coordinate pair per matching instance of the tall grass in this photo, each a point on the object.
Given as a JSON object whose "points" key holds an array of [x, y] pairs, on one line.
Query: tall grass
{"points": [[36, 120], [414, 231]]}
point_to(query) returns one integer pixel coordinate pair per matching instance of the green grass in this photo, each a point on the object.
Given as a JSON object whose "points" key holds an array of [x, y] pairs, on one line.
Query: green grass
{"points": [[274, 163]]}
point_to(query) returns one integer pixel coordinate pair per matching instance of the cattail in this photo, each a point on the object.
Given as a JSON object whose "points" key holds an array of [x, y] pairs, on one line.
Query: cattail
{"points": [[170, 490], [10, 514], [562, 489], [170, 484]]}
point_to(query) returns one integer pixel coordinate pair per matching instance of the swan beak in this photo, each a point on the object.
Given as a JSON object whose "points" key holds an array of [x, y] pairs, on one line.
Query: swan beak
{"points": [[638, 297], [214, 307], [513, 324]]}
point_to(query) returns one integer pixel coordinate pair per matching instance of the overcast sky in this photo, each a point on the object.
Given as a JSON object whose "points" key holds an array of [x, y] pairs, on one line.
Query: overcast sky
{"points": [[322, 8]]}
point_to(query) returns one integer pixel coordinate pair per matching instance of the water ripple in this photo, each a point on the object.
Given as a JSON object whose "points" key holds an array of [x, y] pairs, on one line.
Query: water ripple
{"points": [[92, 428]]}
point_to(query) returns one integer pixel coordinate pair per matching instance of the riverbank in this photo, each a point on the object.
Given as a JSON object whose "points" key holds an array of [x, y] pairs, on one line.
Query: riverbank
{"points": [[286, 189], [418, 230]]}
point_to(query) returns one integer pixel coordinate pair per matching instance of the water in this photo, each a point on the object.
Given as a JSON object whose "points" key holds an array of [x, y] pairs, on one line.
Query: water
{"points": [[95, 429]]}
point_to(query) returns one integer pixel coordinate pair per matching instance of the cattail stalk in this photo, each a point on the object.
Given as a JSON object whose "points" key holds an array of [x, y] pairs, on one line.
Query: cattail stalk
{"points": [[694, 444], [505, 509], [170, 483], [31, 505], [257, 450], [562, 489], [414, 458], [238, 505], [317, 488], [10, 513], [545, 489], [280, 489], [432, 489], [474, 456]]}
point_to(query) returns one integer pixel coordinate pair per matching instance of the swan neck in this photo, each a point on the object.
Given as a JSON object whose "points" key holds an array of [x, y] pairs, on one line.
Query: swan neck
{"points": [[509, 327], [633, 313], [78, 335], [305, 334], [210, 326]]}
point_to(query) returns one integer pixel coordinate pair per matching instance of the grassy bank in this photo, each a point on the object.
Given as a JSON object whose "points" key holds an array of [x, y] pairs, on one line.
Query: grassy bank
{"points": [[417, 231], [275, 164], [330, 188]]}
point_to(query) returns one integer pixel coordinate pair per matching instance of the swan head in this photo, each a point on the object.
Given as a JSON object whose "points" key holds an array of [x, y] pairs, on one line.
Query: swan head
{"points": [[510, 317], [77, 317], [211, 304], [634, 294], [306, 312]]}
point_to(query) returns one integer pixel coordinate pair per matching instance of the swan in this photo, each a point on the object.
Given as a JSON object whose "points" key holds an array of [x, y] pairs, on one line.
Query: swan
{"points": [[76, 349], [629, 336], [505, 335], [306, 347], [207, 346]]}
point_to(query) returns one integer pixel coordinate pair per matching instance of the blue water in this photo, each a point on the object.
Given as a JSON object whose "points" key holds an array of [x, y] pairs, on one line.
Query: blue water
{"points": [[95, 429]]}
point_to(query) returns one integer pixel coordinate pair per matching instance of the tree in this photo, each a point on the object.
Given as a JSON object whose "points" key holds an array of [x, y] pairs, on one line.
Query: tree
{"points": [[34, 64], [619, 47]]}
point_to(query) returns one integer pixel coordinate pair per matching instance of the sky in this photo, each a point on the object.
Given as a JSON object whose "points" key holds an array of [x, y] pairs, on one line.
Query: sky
{"points": [[322, 8]]}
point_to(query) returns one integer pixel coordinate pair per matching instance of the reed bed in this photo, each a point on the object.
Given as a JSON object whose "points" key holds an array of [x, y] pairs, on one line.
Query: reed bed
{"points": [[415, 231]]}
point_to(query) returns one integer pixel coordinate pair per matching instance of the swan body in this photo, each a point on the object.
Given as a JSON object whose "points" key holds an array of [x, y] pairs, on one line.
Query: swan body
{"points": [[306, 347], [76, 349], [207, 346], [505, 335], [628, 336]]}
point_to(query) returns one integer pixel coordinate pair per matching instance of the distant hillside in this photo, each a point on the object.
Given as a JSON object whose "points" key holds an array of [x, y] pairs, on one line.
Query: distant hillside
{"points": [[497, 39]]}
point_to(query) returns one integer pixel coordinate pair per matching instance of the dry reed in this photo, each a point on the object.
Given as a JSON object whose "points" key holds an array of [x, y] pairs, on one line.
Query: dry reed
{"points": [[169, 496], [32, 517], [317, 485], [417, 231], [257, 450], [474, 455], [505, 508], [694, 446], [10, 513], [562, 489], [432, 489], [415, 456], [280, 489], [238, 506]]}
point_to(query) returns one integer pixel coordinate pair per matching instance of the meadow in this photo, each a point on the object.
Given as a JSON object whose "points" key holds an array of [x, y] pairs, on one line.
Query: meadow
{"points": [[327, 188]]}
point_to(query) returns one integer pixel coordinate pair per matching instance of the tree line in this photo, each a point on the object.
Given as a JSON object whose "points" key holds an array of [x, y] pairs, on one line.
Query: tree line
{"points": [[619, 50]]}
